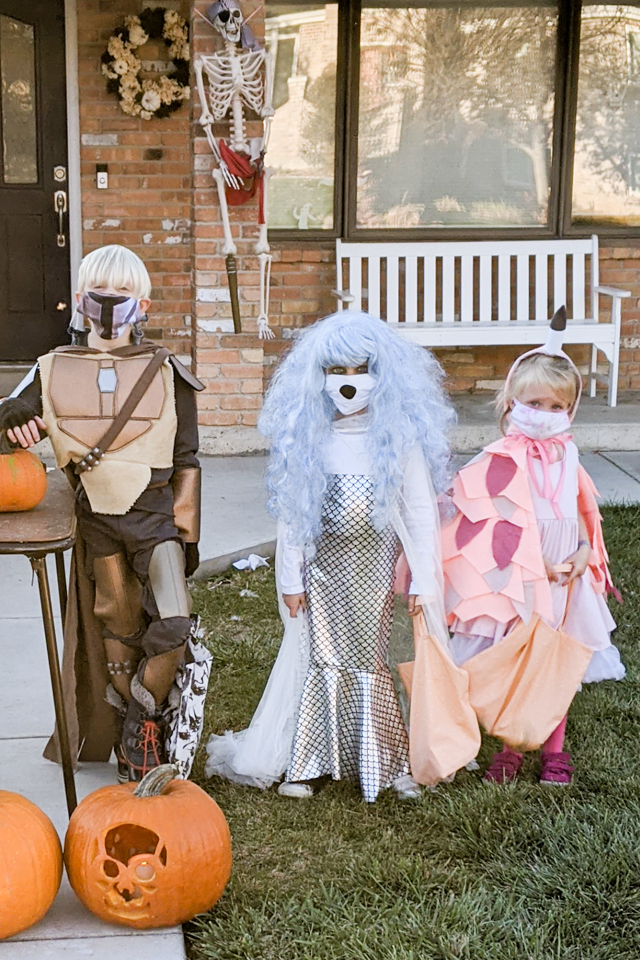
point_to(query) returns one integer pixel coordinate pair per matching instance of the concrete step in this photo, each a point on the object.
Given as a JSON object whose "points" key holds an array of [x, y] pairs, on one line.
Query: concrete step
{"points": [[597, 427]]}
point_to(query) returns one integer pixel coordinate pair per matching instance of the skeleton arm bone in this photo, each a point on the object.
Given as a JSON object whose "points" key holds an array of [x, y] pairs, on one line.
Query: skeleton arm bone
{"points": [[205, 116]]}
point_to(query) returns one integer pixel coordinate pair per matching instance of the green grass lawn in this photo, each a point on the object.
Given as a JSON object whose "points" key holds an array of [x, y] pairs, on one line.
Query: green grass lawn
{"points": [[481, 872]]}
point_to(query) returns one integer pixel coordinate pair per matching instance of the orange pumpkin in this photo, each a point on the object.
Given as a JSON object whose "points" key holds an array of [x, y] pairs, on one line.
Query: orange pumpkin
{"points": [[30, 866], [23, 481], [153, 854]]}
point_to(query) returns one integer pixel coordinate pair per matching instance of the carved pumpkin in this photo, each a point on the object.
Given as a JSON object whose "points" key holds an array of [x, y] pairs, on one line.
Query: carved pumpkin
{"points": [[31, 864], [23, 481], [153, 854]]}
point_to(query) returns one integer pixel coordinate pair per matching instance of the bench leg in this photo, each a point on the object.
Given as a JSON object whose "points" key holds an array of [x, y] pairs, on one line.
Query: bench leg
{"points": [[39, 566], [593, 370]]}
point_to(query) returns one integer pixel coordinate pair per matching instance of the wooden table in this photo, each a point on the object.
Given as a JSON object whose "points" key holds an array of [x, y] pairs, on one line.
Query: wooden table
{"points": [[48, 528]]}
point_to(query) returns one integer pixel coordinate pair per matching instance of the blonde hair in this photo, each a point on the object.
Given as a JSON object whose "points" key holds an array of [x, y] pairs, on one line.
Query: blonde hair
{"points": [[115, 267], [540, 369]]}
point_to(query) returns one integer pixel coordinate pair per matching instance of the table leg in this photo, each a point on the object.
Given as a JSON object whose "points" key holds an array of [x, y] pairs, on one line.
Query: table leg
{"points": [[62, 585], [40, 568]]}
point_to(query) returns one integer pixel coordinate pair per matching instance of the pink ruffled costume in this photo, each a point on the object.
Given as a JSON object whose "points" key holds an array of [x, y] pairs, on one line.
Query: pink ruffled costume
{"points": [[518, 502]]}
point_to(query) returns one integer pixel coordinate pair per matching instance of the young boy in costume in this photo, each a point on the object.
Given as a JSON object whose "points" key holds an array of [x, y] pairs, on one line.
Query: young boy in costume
{"points": [[357, 419], [137, 505]]}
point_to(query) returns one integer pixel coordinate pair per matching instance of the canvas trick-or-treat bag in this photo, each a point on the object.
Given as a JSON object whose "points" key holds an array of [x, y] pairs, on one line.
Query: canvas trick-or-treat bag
{"points": [[522, 687], [443, 729], [184, 716]]}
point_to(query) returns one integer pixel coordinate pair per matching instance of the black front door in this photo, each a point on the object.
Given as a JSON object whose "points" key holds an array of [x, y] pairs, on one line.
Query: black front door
{"points": [[35, 291]]}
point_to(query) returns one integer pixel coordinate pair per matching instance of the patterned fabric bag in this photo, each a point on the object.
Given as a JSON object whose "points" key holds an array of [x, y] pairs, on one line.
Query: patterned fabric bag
{"points": [[184, 716]]}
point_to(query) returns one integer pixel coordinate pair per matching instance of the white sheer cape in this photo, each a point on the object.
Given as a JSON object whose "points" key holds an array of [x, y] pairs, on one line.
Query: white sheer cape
{"points": [[259, 755]]}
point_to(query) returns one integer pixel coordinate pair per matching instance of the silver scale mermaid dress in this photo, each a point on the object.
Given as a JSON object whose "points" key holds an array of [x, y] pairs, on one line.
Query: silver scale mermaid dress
{"points": [[349, 722]]}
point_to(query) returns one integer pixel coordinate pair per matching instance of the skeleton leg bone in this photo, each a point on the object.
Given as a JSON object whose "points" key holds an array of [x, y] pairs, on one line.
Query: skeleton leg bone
{"points": [[229, 245], [263, 249]]}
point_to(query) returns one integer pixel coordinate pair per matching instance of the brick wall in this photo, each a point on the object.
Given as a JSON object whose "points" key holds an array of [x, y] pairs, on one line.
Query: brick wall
{"points": [[163, 203], [148, 204]]}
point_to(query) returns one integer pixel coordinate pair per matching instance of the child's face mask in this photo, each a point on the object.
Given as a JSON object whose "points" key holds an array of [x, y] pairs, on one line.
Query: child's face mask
{"points": [[110, 314], [350, 393], [538, 424]]}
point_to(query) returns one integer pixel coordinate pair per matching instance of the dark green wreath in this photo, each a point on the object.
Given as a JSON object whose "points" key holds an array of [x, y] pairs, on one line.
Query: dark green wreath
{"points": [[152, 21]]}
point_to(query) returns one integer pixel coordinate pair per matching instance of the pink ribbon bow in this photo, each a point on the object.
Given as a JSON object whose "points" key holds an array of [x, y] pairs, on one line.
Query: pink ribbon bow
{"points": [[546, 452]]}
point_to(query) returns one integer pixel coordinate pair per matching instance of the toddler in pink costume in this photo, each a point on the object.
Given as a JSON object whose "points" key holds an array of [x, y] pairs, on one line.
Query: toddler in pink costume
{"points": [[526, 507]]}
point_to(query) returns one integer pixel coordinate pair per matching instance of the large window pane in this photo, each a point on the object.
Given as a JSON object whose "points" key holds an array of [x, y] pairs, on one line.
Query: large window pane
{"points": [[606, 173], [303, 41], [455, 115], [17, 58]]}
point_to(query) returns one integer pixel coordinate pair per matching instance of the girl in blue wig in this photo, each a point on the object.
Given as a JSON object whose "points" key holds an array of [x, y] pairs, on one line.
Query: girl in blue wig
{"points": [[358, 423]]}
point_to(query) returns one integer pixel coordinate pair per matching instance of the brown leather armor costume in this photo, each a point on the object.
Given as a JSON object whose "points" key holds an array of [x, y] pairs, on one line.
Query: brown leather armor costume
{"points": [[138, 509]]}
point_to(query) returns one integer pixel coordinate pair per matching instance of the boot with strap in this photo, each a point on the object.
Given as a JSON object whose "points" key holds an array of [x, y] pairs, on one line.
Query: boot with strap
{"points": [[143, 733]]}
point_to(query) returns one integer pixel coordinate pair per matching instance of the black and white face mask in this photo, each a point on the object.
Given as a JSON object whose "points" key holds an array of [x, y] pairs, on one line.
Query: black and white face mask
{"points": [[350, 393], [110, 314]]}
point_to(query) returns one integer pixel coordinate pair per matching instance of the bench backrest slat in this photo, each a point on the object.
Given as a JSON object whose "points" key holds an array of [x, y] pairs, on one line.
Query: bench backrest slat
{"points": [[411, 289], [542, 288], [429, 310], [485, 288], [474, 281], [466, 288], [448, 289], [373, 285], [393, 307], [559, 279], [578, 284]]}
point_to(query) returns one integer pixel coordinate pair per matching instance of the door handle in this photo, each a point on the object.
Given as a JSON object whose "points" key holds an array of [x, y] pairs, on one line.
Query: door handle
{"points": [[60, 206]]}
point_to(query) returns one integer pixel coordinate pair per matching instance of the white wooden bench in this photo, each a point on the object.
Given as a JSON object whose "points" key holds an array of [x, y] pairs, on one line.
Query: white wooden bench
{"points": [[479, 293]]}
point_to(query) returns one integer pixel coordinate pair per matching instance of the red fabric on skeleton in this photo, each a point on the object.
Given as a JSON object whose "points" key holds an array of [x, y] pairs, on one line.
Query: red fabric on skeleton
{"points": [[243, 167]]}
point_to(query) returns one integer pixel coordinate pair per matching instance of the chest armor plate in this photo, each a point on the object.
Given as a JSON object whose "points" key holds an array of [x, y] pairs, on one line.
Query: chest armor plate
{"points": [[86, 394]]}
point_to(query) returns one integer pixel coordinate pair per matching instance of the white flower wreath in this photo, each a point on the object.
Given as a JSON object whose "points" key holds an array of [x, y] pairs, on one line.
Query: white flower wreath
{"points": [[121, 67]]}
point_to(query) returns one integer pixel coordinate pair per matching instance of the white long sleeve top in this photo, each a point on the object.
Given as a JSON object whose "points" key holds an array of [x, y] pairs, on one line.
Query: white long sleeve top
{"points": [[346, 451]]}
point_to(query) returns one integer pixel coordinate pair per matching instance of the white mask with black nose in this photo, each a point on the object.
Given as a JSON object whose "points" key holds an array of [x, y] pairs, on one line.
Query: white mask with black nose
{"points": [[350, 393]]}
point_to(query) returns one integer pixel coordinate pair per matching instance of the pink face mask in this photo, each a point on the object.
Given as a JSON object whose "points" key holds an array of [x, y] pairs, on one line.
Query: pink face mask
{"points": [[538, 424]]}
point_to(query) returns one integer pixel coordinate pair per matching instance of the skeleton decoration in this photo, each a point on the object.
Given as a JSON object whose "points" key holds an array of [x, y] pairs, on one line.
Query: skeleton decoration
{"points": [[239, 79]]}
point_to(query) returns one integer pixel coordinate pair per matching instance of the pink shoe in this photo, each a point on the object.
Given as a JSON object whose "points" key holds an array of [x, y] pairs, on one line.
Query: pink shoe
{"points": [[556, 769], [504, 767]]}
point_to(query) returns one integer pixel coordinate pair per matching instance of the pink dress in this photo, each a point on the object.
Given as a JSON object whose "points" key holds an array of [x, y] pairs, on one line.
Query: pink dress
{"points": [[588, 618]]}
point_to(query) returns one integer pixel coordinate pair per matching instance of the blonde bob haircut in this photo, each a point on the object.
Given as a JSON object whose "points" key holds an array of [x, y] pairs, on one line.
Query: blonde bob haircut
{"points": [[540, 369], [117, 268]]}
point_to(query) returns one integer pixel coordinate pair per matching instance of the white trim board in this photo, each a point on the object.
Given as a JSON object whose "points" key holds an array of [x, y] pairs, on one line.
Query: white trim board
{"points": [[73, 138]]}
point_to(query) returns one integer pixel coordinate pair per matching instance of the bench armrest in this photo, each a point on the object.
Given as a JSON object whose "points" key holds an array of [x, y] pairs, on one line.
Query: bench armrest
{"points": [[343, 296], [612, 292]]}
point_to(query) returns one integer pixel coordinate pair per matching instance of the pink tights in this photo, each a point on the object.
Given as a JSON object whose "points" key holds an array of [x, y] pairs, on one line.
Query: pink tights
{"points": [[556, 741]]}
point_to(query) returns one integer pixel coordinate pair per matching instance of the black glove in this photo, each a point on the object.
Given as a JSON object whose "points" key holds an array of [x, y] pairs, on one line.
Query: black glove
{"points": [[16, 412], [192, 558]]}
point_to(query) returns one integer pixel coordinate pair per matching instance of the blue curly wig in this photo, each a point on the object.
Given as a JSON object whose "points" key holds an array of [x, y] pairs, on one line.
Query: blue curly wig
{"points": [[408, 406]]}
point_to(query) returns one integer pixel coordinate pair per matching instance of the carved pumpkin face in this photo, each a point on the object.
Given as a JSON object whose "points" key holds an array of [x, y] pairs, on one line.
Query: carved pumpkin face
{"points": [[129, 865], [148, 860]]}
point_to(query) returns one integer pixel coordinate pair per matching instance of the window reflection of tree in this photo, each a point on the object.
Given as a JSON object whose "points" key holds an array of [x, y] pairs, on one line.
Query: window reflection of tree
{"points": [[461, 85], [608, 119]]}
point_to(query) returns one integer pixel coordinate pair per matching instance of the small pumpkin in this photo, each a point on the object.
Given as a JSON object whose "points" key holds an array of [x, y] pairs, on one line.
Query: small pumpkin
{"points": [[153, 854], [30, 865], [23, 481]]}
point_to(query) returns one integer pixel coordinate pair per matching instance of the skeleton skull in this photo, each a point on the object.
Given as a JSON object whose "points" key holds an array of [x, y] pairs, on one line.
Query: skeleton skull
{"points": [[226, 17]]}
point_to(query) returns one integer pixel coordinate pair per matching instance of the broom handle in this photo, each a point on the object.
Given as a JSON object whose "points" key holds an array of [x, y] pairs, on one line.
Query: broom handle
{"points": [[232, 275]]}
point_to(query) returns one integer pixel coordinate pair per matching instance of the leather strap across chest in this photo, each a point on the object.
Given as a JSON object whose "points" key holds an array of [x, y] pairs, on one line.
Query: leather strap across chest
{"points": [[92, 459]]}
